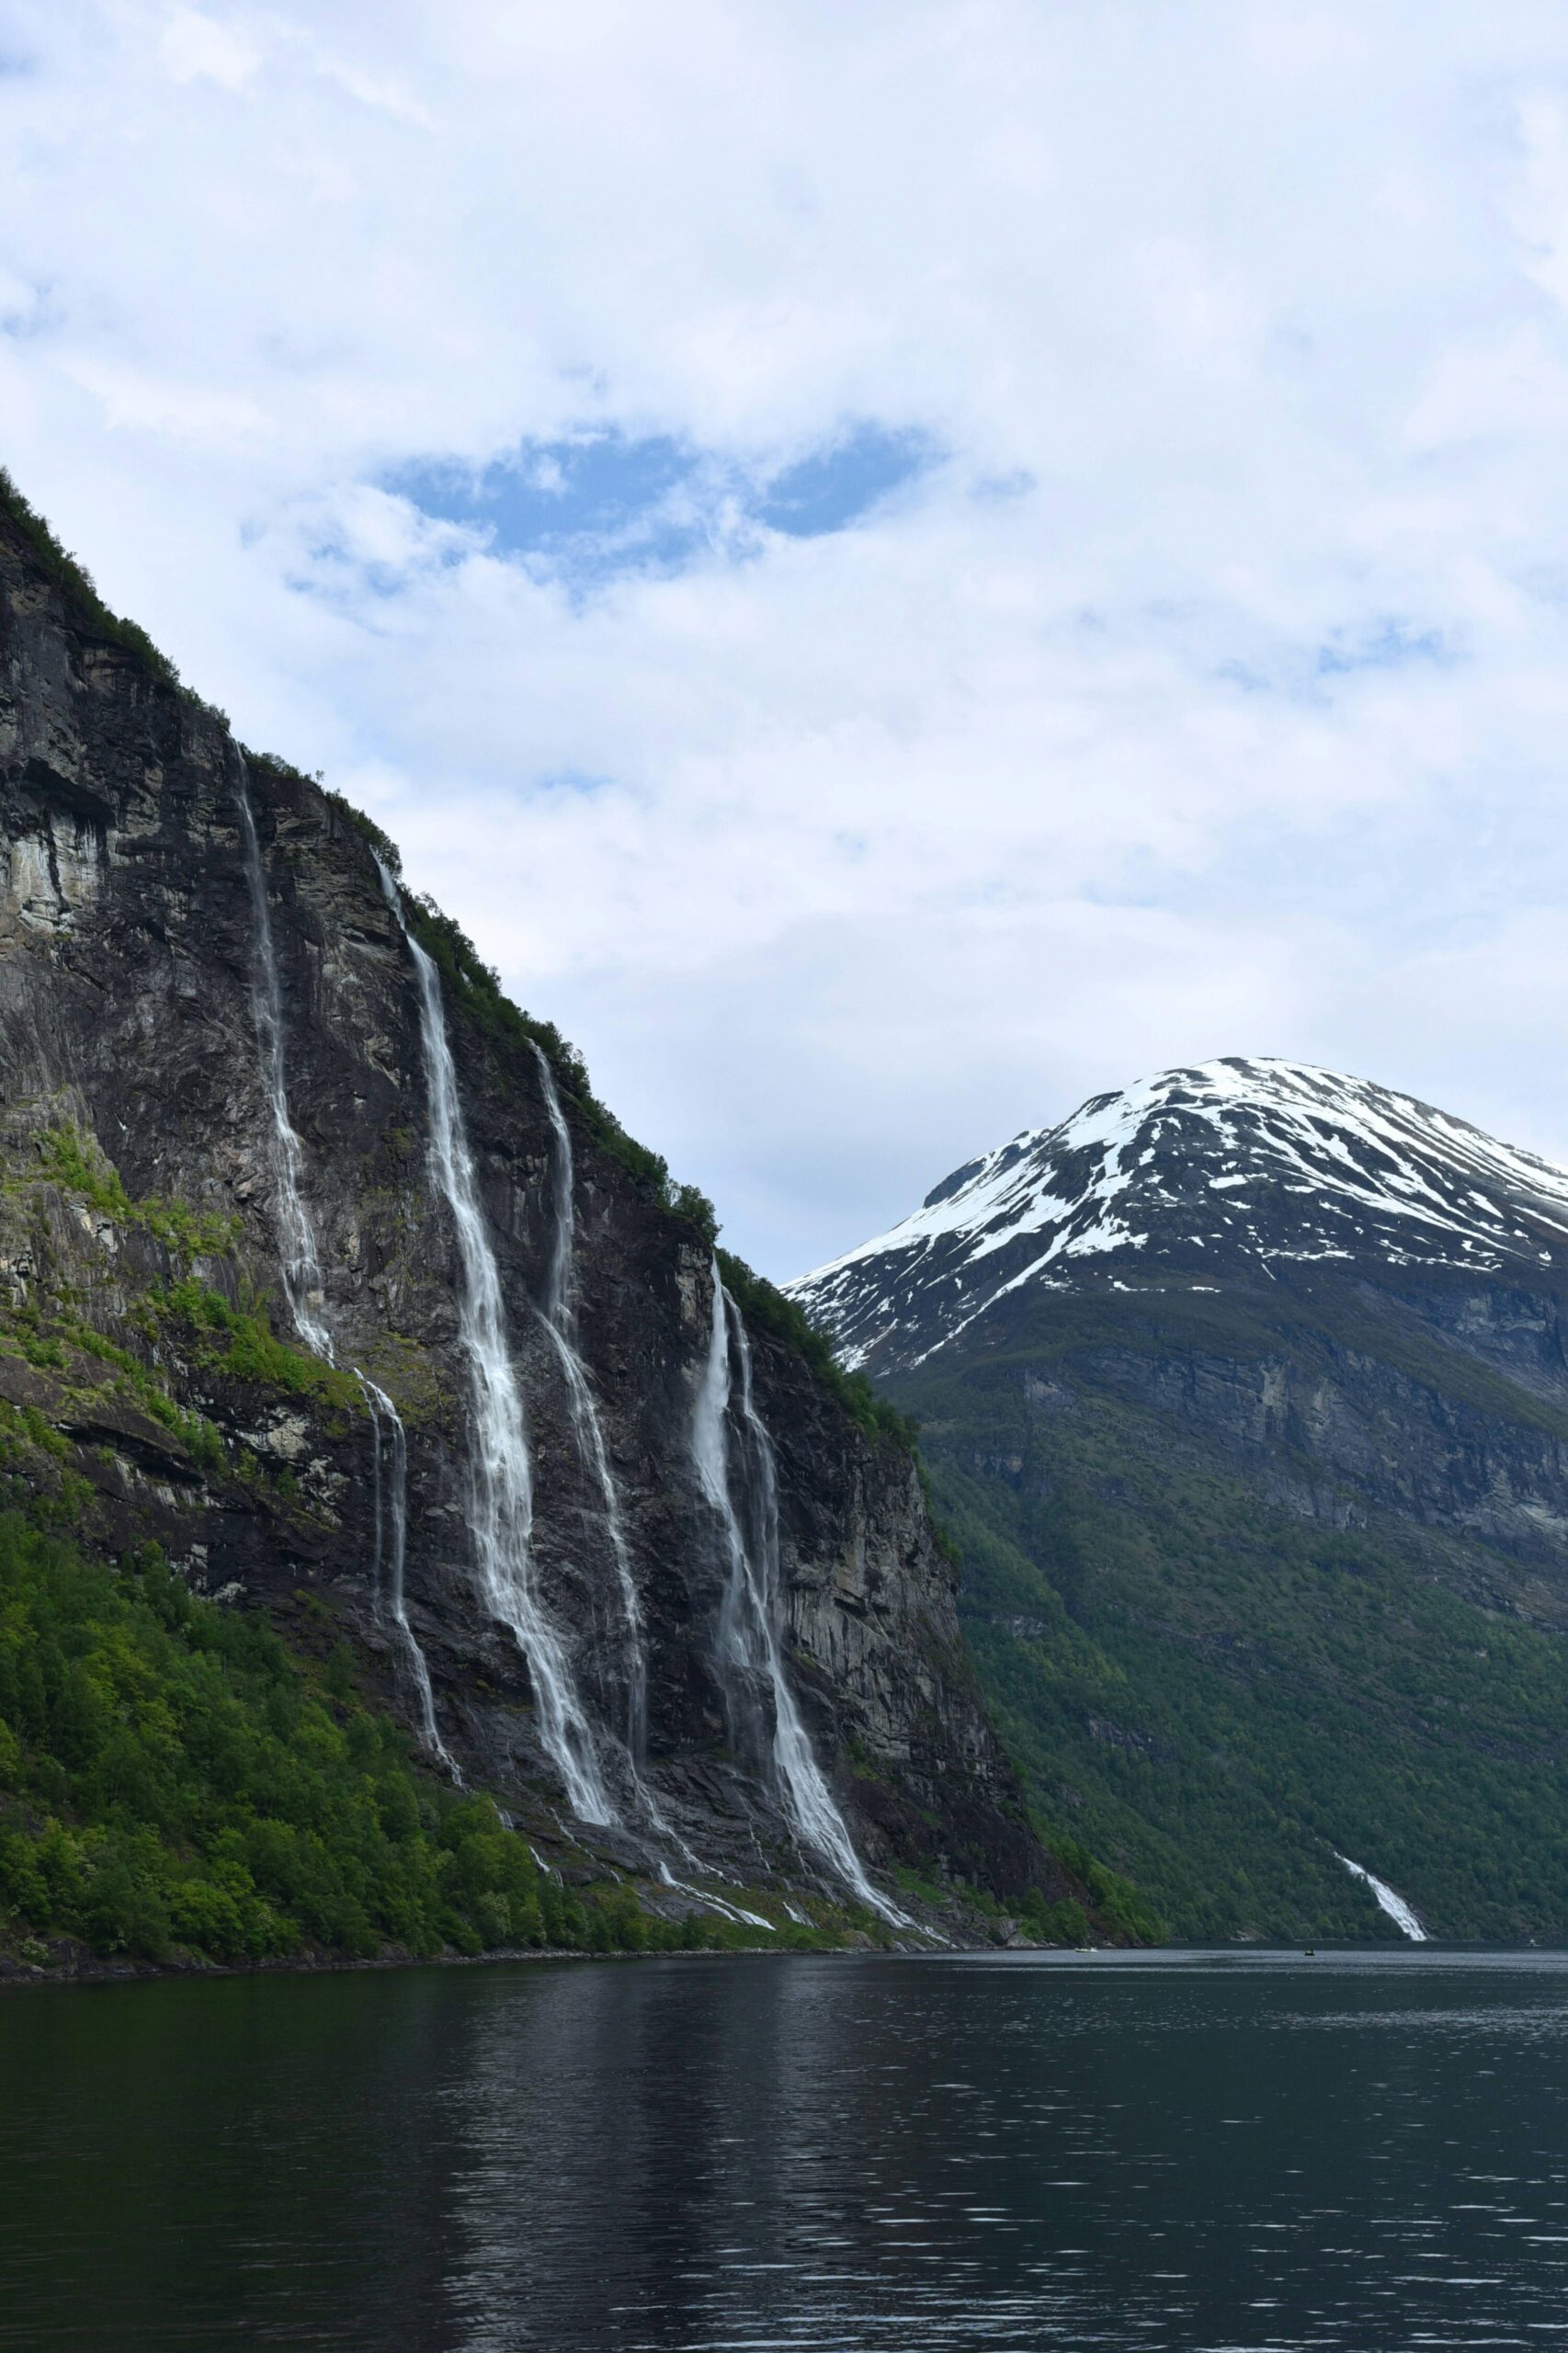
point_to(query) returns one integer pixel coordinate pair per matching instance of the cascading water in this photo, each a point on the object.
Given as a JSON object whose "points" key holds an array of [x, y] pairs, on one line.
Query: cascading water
{"points": [[750, 1665], [301, 1263], [1397, 1909], [501, 1474], [391, 1556], [303, 1275], [559, 1322]]}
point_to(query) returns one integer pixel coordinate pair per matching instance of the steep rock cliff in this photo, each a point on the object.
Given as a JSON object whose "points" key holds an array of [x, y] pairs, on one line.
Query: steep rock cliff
{"points": [[175, 1365]]}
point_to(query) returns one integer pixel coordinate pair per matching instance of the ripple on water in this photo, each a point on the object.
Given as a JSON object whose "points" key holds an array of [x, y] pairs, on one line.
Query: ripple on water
{"points": [[1196, 2152]]}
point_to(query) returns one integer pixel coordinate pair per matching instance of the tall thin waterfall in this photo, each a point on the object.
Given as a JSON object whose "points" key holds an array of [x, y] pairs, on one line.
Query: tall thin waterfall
{"points": [[501, 1473], [302, 1274], [301, 1263], [561, 1323], [391, 1554], [749, 1663]]}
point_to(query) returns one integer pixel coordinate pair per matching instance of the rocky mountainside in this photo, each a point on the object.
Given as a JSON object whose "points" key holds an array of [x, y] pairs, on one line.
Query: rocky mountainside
{"points": [[1246, 1391], [321, 1267]]}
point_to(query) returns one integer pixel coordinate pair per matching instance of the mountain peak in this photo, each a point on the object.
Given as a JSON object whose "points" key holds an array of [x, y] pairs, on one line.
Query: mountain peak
{"points": [[1180, 1177]]}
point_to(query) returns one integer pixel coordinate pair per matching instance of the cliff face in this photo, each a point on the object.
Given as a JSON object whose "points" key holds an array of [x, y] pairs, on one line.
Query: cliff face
{"points": [[1246, 1392], [157, 1319]]}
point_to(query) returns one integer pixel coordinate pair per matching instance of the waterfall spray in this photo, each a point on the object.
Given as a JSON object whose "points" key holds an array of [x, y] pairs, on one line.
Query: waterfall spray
{"points": [[559, 1322], [501, 1477], [302, 1274], [751, 1667]]}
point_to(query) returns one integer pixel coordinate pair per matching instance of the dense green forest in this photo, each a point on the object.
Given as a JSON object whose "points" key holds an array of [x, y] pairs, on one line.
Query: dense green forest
{"points": [[1218, 1697], [175, 1782]]}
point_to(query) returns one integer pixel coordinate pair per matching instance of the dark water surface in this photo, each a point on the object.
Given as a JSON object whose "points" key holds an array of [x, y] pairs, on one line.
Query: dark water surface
{"points": [[1358, 2151]]}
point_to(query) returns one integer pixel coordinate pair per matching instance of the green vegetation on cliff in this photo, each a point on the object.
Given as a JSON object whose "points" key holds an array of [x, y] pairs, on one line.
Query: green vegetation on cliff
{"points": [[75, 1161], [174, 1779], [175, 1782], [167, 1328], [765, 1309], [76, 582]]}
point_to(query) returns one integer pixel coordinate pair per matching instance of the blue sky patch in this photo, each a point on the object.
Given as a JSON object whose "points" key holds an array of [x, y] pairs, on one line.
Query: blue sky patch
{"points": [[592, 508], [1389, 646], [835, 485], [1307, 672]]}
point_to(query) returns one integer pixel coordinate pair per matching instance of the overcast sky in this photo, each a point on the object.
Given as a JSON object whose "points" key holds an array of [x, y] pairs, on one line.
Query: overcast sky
{"points": [[896, 566]]}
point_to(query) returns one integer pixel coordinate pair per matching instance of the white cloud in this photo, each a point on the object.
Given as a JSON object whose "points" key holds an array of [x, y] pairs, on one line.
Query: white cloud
{"points": [[1207, 696], [199, 48]]}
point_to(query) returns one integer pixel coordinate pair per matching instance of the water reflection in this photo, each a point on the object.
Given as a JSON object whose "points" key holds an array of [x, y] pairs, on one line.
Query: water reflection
{"points": [[1238, 2153]]}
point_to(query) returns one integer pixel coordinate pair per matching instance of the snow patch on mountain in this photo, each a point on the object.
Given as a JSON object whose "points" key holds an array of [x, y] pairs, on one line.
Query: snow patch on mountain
{"points": [[1260, 1159]]}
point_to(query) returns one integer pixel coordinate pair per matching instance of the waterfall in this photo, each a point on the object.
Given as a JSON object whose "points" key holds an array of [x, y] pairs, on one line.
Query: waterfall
{"points": [[750, 1665], [501, 1491], [1397, 1909], [391, 1554], [300, 1263], [559, 1322]]}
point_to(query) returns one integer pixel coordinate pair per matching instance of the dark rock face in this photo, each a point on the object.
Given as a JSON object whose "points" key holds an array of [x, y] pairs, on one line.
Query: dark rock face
{"points": [[128, 1030], [1337, 1433]]}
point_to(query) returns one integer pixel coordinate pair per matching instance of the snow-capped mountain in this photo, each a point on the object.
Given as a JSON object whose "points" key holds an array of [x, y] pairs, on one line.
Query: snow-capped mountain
{"points": [[1178, 1179]]}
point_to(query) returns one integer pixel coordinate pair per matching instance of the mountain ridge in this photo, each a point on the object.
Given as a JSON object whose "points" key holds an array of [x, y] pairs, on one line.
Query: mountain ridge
{"points": [[1162, 1173], [1244, 1394]]}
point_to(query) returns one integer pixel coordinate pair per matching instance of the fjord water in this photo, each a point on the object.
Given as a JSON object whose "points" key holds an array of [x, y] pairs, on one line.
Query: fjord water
{"points": [[1358, 2151]]}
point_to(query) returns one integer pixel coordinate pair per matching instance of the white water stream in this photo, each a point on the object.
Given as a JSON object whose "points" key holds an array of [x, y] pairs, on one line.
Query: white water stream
{"points": [[302, 1285], [500, 1475], [561, 1322], [1398, 1910], [301, 1263], [392, 1556], [750, 1663], [501, 1471]]}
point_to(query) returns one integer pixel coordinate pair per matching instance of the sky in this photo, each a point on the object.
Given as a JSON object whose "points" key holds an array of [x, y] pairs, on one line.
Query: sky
{"points": [[895, 566]]}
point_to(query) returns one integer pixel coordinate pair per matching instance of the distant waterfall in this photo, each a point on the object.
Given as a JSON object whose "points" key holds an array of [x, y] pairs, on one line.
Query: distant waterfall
{"points": [[561, 1323], [501, 1474], [749, 1663], [301, 1263], [303, 1275], [391, 1554], [1394, 1905]]}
